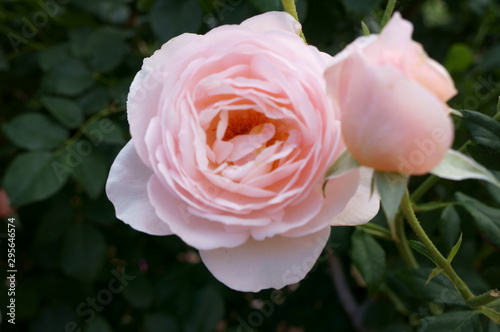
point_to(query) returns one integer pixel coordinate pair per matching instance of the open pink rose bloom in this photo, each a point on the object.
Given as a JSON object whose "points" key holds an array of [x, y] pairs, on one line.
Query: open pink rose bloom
{"points": [[232, 133], [393, 101]]}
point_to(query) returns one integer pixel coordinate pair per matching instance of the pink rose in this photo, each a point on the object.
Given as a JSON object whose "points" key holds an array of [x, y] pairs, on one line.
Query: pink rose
{"points": [[393, 101], [232, 133], [5, 209]]}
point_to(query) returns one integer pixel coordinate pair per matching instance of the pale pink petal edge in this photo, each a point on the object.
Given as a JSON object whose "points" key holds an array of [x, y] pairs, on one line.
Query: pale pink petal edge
{"points": [[363, 206], [272, 263], [273, 21], [127, 190]]}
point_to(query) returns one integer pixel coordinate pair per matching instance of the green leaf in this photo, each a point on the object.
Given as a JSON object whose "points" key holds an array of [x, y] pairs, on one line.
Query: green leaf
{"points": [[438, 290], [65, 110], [456, 166], [431, 206], [495, 305], [160, 322], [484, 155], [91, 173], [455, 249], [34, 131], [365, 28], [369, 258], [106, 49], [459, 58], [494, 192], [437, 271], [486, 218], [171, 18], [421, 248], [78, 38], [104, 130], [376, 230], [94, 100], [456, 321], [492, 311], [112, 11], [208, 309], [52, 57], [344, 163], [139, 293], [449, 226], [483, 129], [99, 324], [68, 78], [391, 187], [492, 327], [83, 252], [31, 178]]}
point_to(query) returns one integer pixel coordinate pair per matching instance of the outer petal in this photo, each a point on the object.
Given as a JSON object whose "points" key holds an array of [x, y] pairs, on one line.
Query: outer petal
{"points": [[272, 263], [434, 77], [338, 192], [397, 32], [363, 206], [143, 102], [273, 21], [397, 35], [198, 232], [127, 190]]}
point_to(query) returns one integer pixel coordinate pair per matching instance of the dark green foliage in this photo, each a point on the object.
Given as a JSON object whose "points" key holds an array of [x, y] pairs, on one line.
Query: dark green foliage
{"points": [[65, 70]]}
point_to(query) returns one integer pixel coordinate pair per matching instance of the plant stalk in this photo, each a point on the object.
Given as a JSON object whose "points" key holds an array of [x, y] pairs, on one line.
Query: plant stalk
{"points": [[402, 244], [291, 9], [439, 259]]}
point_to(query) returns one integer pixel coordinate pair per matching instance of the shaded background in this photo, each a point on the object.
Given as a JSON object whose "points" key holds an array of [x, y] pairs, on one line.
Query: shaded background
{"points": [[65, 70]]}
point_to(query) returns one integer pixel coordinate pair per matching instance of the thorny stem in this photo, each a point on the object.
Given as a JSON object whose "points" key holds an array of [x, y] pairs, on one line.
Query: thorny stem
{"points": [[402, 243], [440, 260], [387, 13]]}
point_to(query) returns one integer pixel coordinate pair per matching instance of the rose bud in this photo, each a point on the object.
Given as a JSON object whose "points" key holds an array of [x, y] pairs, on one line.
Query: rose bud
{"points": [[392, 98]]}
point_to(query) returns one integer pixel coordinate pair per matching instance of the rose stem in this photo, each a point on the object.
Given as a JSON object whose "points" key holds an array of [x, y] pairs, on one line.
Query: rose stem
{"points": [[402, 243], [441, 262], [387, 13], [292, 10]]}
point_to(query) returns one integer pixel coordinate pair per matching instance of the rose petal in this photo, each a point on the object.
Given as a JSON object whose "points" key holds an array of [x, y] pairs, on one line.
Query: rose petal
{"points": [[272, 21], [363, 206], [272, 263], [337, 194], [127, 190], [146, 88], [396, 37], [296, 216], [397, 32], [198, 232]]}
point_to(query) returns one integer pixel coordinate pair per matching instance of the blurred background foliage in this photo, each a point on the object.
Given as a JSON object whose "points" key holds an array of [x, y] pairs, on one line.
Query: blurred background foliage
{"points": [[65, 70]]}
